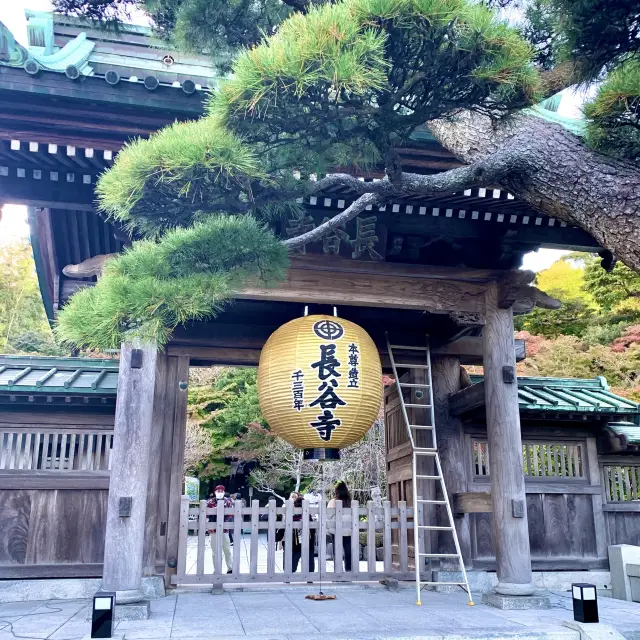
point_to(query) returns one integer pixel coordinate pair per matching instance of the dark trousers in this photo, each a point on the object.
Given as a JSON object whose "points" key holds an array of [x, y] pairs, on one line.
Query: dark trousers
{"points": [[295, 559], [346, 552], [296, 556]]}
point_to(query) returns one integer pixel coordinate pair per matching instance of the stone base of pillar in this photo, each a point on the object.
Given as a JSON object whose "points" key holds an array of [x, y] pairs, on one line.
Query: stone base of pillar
{"points": [[500, 601], [515, 589], [127, 596]]}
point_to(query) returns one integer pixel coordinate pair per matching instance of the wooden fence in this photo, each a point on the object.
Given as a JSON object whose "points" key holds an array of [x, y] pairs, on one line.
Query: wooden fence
{"points": [[380, 535]]}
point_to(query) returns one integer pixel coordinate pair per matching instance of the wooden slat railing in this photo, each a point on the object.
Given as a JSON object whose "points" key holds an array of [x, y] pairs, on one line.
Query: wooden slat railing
{"points": [[57, 449], [256, 559], [621, 483]]}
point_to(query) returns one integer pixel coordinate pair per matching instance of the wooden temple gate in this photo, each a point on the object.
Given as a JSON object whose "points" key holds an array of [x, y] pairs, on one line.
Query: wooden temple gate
{"points": [[445, 267]]}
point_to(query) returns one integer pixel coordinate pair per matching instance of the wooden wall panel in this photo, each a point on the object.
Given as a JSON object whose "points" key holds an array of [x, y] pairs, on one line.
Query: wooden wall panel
{"points": [[623, 527], [15, 511], [556, 525], [52, 527], [582, 533], [535, 515]]}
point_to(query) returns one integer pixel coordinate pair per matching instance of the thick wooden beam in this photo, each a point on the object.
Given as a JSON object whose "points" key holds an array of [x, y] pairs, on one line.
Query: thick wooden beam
{"points": [[472, 502], [468, 399], [235, 345], [375, 285], [510, 523]]}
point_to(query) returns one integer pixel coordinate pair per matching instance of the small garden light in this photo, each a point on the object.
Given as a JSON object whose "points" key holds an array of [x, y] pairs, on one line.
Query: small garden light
{"points": [[585, 602], [102, 615]]}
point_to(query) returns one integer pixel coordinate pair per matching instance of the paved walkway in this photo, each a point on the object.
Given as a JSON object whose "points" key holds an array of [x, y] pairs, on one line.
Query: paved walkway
{"points": [[243, 546], [285, 614]]}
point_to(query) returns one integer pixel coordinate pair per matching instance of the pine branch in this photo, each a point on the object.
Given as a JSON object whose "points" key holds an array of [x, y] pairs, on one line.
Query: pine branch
{"points": [[337, 221]]}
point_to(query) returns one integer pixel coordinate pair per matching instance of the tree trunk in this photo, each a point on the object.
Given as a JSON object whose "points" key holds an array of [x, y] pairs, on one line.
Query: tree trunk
{"points": [[556, 174]]}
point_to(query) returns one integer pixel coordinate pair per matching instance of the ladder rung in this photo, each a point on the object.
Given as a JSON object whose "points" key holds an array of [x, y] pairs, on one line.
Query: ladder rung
{"points": [[425, 452], [431, 501], [439, 555], [459, 584], [414, 384], [412, 366], [428, 477], [417, 406], [420, 426], [407, 348], [434, 527]]}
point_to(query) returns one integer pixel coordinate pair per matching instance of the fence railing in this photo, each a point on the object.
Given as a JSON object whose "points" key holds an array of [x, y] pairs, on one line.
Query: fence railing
{"points": [[355, 543], [59, 449], [541, 459], [621, 483]]}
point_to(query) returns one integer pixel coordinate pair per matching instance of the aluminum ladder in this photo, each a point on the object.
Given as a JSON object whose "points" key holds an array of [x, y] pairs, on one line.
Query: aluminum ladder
{"points": [[423, 393]]}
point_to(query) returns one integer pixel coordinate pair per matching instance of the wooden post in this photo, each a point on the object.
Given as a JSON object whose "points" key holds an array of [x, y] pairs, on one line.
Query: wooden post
{"points": [[160, 401], [445, 376], [126, 511], [172, 463], [510, 526]]}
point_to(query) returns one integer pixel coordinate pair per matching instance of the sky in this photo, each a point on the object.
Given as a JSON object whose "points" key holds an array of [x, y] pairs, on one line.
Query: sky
{"points": [[13, 224]]}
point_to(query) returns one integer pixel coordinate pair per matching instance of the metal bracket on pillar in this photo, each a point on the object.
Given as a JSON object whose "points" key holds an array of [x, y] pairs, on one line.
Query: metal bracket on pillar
{"points": [[517, 508], [124, 507], [508, 375], [136, 358]]}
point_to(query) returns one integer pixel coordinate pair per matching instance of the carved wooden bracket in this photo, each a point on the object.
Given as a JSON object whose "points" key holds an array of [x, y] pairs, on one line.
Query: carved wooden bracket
{"points": [[527, 298], [88, 268], [511, 285], [468, 318]]}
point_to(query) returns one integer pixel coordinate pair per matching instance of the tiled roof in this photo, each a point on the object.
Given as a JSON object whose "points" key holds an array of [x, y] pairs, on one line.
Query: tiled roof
{"points": [[571, 395], [50, 376]]}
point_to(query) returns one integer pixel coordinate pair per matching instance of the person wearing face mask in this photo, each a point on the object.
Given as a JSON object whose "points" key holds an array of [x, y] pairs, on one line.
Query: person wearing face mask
{"points": [[226, 543]]}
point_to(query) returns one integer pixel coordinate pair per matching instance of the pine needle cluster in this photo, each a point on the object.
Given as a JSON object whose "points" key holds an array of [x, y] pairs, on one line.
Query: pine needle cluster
{"points": [[188, 274], [614, 114], [340, 84]]}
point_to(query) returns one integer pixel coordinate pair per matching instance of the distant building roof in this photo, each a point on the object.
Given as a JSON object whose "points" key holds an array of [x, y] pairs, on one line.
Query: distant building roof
{"points": [[22, 377], [567, 396], [77, 48]]}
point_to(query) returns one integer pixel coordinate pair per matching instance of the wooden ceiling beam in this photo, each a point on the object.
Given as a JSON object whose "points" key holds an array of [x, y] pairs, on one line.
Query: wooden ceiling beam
{"points": [[228, 352]]}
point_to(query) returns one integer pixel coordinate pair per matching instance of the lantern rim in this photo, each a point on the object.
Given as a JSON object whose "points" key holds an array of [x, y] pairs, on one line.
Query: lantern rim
{"points": [[321, 454]]}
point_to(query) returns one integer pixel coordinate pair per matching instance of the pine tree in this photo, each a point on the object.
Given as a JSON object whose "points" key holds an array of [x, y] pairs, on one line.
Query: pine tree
{"points": [[344, 84]]}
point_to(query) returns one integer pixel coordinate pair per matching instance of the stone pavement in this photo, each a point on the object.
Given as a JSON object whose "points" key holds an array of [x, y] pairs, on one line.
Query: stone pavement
{"points": [[277, 613]]}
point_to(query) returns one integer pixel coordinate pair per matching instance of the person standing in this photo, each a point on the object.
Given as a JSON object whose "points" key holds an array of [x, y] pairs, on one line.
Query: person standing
{"points": [[226, 543], [296, 548], [341, 492]]}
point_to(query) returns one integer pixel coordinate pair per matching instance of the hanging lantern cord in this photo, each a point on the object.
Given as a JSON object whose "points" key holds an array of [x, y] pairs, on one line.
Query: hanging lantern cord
{"points": [[320, 511]]}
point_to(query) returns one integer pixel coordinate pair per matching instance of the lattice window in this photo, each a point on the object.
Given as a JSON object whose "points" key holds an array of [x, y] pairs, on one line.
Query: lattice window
{"points": [[621, 484], [68, 450], [541, 459]]}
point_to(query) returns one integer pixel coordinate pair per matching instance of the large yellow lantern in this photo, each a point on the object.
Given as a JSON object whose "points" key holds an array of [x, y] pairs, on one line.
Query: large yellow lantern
{"points": [[320, 384]]}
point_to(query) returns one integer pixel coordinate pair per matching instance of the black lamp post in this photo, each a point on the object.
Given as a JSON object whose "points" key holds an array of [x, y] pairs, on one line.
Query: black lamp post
{"points": [[585, 602]]}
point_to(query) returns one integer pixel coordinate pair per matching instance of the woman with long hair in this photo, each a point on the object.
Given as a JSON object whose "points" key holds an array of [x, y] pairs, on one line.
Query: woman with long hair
{"points": [[341, 492]]}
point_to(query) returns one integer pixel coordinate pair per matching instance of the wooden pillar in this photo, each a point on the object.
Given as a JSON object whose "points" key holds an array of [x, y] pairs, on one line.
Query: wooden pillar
{"points": [[510, 527], [126, 511], [445, 374], [161, 406], [179, 368]]}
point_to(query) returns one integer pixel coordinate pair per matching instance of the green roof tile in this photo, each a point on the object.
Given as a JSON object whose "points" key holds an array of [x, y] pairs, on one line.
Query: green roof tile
{"points": [[41, 375]]}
